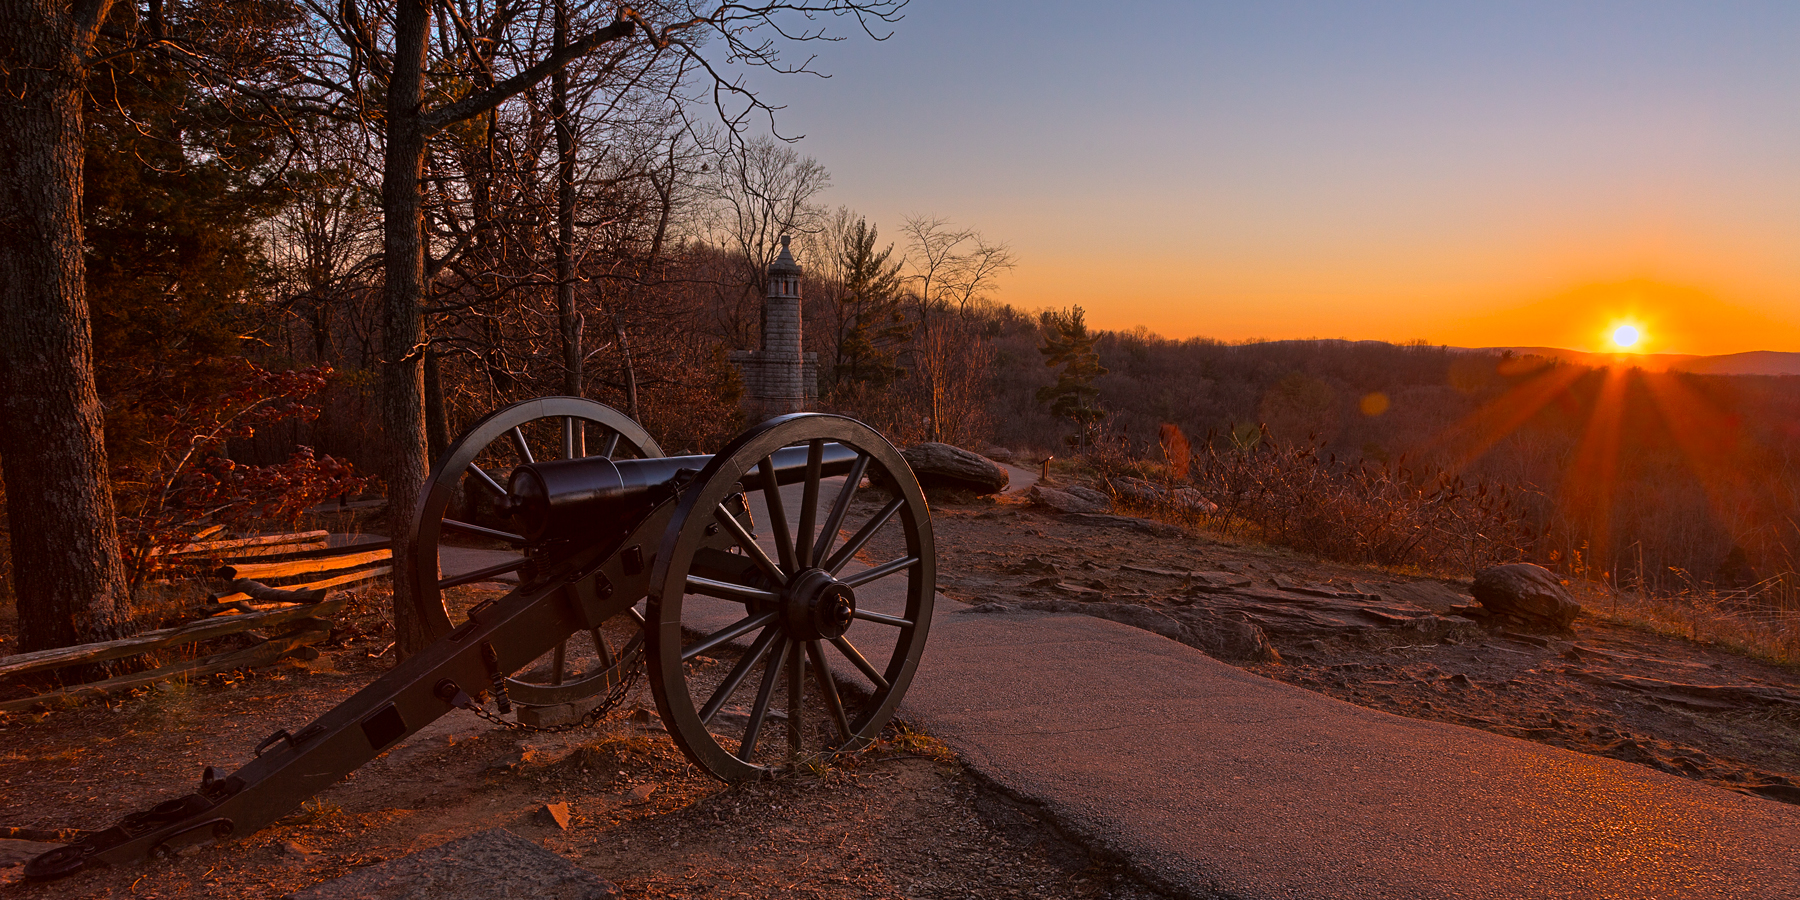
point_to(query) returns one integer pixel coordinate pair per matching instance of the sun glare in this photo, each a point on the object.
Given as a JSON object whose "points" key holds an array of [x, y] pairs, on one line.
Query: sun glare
{"points": [[1626, 336]]}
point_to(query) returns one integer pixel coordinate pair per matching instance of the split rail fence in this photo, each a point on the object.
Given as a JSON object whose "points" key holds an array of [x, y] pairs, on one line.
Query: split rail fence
{"points": [[274, 590]]}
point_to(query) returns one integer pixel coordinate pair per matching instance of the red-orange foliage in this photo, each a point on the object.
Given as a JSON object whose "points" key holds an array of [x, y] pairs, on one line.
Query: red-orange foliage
{"points": [[1176, 451], [181, 479]]}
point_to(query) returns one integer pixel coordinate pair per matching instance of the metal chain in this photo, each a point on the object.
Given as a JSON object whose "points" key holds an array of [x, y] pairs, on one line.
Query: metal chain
{"points": [[614, 697]]}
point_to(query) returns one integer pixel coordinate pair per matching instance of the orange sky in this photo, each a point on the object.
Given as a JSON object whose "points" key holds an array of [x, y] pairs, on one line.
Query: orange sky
{"points": [[1672, 318], [1515, 174]]}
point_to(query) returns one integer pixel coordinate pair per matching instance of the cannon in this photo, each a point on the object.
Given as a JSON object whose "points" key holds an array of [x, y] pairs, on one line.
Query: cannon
{"points": [[772, 628]]}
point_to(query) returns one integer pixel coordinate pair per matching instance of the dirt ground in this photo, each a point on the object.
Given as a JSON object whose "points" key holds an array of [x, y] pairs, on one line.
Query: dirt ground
{"points": [[905, 819], [1402, 644]]}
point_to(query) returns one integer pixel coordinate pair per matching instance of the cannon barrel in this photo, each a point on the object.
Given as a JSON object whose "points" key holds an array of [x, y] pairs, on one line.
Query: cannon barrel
{"points": [[569, 497]]}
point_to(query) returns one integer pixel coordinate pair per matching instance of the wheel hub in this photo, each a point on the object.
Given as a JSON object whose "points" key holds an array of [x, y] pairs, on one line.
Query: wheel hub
{"points": [[817, 606]]}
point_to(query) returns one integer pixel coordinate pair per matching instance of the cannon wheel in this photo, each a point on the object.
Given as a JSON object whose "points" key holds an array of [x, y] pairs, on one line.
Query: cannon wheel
{"points": [[544, 428], [789, 603]]}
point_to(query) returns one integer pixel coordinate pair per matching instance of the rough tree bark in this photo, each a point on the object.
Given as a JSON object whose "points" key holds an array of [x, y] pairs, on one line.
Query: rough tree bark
{"points": [[403, 325], [67, 571]]}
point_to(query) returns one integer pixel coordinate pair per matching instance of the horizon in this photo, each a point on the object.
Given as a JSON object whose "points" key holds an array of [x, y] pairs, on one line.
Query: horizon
{"points": [[1533, 176]]}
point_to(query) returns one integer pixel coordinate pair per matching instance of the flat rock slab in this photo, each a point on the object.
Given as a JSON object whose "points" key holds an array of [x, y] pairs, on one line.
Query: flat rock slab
{"points": [[1213, 782], [14, 852], [492, 865]]}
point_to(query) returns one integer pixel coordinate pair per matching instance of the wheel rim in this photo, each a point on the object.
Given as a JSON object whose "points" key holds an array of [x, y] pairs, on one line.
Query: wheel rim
{"points": [[540, 429], [841, 575]]}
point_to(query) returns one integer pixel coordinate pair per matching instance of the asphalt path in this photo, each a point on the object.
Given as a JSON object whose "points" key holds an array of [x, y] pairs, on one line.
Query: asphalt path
{"points": [[1209, 782]]}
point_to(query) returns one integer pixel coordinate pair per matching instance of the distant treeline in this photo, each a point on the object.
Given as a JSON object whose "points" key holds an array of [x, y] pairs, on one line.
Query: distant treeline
{"points": [[1677, 480]]}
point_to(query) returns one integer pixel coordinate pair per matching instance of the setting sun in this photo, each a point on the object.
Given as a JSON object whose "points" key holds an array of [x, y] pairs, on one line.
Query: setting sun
{"points": [[1626, 336]]}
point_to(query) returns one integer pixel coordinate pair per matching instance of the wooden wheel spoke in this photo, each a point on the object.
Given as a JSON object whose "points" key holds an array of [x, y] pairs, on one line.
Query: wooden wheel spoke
{"points": [[883, 619], [760, 709], [611, 446], [473, 470], [882, 571], [573, 435], [748, 544], [809, 504], [784, 544], [828, 687], [859, 661], [846, 698], [735, 678], [725, 590], [483, 574], [828, 534], [862, 536], [730, 632], [486, 480], [477, 530]]}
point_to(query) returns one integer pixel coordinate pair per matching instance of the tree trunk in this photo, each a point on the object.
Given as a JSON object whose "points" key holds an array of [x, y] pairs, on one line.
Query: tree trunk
{"points": [[402, 369], [568, 318], [67, 571], [437, 417]]}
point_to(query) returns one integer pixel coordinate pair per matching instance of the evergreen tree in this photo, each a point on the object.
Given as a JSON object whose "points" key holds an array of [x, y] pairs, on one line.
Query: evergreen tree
{"points": [[868, 351], [175, 188], [1068, 345]]}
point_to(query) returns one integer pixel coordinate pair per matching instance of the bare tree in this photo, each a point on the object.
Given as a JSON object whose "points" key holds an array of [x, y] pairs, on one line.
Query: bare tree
{"points": [[762, 189], [951, 270]]}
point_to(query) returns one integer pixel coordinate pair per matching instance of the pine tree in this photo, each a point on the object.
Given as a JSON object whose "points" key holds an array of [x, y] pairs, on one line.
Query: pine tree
{"points": [[868, 352], [1068, 345]]}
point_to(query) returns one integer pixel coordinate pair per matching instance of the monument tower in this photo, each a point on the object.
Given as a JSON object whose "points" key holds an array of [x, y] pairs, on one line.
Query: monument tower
{"points": [[779, 378]]}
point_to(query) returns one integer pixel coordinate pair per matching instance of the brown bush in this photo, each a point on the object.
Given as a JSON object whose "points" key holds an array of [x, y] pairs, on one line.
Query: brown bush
{"points": [[1363, 512]]}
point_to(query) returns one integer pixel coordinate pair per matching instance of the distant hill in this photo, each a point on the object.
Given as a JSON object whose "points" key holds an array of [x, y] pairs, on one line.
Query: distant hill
{"points": [[1755, 362]]}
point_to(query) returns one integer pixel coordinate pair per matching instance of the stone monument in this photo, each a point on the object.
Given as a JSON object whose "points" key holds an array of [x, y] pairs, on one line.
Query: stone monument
{"points": [[779, 378]]}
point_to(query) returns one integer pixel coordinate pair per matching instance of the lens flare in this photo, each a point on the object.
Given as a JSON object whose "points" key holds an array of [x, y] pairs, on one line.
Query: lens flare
{"points": [[1626, 336]]}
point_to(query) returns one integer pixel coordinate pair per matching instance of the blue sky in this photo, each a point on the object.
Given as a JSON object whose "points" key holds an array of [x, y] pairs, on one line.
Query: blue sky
{"points": [[1458, 172]]}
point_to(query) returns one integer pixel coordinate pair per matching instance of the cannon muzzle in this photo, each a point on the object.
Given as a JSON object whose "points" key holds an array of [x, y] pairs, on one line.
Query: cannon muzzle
{"points": [[570, 497]]}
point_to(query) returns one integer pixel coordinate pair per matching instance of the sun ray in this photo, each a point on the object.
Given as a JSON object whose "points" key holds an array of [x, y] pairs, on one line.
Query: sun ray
{"points": [[1707, 437], [1589, 484], [1479, 431]]}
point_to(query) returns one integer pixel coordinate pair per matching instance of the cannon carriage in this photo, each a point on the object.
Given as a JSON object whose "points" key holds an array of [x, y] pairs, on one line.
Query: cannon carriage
{"points": [[777, 594]]}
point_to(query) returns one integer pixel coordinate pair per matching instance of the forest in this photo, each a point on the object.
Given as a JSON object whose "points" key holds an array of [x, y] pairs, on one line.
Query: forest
{"points": [[318, 241]]}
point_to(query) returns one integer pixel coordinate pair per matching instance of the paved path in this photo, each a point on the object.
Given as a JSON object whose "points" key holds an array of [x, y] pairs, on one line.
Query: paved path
{"points": [[1213, 782]]}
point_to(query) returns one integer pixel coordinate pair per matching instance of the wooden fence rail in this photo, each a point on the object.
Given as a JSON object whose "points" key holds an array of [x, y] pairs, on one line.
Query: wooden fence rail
{"points": [[260, 596]]}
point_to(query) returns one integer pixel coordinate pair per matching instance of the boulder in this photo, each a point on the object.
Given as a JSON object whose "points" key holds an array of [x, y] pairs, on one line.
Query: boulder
{"points": [[1526, 592], [1190, 500], [1072, 499], [1136, 490], [941, 465]]}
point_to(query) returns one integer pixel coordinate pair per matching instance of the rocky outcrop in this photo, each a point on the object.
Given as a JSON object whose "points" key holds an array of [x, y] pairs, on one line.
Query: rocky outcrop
{"points": [[1226, 636], [1190, 500], [1527, 593], [944, 466], [1135, 490], [1071, 499]]}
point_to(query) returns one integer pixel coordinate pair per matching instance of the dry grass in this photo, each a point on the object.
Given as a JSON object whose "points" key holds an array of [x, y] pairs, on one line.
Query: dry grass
{"points": [[1744, 623], [1362, 513], [1394, 518]]}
